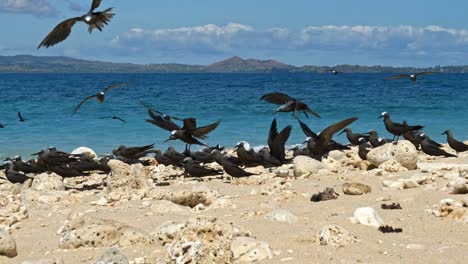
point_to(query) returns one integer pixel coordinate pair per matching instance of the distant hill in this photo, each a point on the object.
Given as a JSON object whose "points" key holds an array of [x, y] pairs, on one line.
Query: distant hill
{"points": [[34, 64]]}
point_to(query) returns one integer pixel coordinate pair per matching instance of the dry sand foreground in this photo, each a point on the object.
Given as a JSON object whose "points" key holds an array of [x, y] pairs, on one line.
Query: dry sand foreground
{"points": [[128, 212]]}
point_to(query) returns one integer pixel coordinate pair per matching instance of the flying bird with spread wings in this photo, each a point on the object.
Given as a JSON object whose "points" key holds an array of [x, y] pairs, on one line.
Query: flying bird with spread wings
{"points": [[100, 96], [412, 77], [93, 19]]}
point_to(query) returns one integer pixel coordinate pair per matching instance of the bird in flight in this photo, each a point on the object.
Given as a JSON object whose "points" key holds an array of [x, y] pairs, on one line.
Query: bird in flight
{"points": [[412, 77], [100, 96], [114, 117], [20, 117], [93, 19], [288, 104]]}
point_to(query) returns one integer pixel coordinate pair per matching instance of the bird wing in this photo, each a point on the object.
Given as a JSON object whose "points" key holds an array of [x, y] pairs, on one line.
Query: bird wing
{"points": [[161, 122], [202, 131], [158, 112], [100, 19], [82, 102], [20, 116], [326, 135], [132, 151], [277, 98], [277, 149], [307, 131], [423, 73], [273, 133], [95, 4], [190, 124], [301, 105], [398, 77], [118, 118], [59, 33], [113, 86]]}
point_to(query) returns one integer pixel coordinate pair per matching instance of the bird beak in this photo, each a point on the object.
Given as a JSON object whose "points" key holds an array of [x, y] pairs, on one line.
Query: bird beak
{"points": [[444, 133], [304, 142], [379, 117], [341, 132], [166, 140], [35, 154]]}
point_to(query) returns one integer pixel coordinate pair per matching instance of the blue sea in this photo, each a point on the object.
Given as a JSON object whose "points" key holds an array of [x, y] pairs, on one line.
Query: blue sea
{"points": [[438, 101]]}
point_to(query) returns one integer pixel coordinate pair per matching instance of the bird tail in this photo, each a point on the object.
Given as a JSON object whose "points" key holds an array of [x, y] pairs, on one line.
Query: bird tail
{"points": [[103, 18]]}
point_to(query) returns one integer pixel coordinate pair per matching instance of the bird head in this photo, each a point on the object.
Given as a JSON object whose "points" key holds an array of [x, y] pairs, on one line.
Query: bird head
{"points": [[362, 140], [446, 132], [88, 17], [187, 160], [384, 114], [344, 130], [412, 76]]}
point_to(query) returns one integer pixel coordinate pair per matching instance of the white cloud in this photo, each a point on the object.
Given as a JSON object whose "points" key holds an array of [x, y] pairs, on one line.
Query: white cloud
{"points": [[34, 7], [392, 42]]}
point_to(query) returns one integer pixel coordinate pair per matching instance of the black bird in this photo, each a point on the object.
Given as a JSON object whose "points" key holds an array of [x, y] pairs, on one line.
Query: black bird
{"points": [[161, 159], [189, 133], [363, 148], [456, 145], [377, 141], [164, 116], [174, 156], [288, 104], [196, 170], [201, 156], [20, 117], [353, 138], [114, 117], [231, 168], [412, 77], [93, 19], [51, 157], [277, 141], [431, 149], [133, 153], [100, 96], [14, 176], [247, 155], [322, 143], [26, 167], [3, 125], [67, 172], [221, 156], [397, 129], [413, 137]]}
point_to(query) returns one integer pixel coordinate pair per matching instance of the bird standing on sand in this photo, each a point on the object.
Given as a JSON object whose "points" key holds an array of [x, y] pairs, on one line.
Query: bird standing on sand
{"points": [[412, 77], [288, 104], [14, 176], [322, 143], [247, 155], [114, 117], [93, 19], [175, 156], [20, 117], [353, 138], [100, 96], [431, 149], [133, 153], [196, 170], [397, 129], [456, 145], [377, 141], [230, 166]]}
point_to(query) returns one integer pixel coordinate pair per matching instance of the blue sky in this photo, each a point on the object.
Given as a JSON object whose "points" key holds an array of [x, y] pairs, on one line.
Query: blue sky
{"points": [[397, 32]]}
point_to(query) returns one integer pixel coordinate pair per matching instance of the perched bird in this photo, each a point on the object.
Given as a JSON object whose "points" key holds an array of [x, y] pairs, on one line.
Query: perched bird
{"points": [[456, 145], [201, 156], [26, 167], [397, 129], [277, 141], [413, 137], [322, 143], [20, 117], [247, 155], [67, 172], [412, 77], [353, 138], [3, 125], [377, 141], [114, 117], [161, 159], [133, 153], [100, 96], [196, 170], [93, 19], [14, 176], [51, 157], [174, 156], [231, 168], [431, 149], [363, 148], [288, 104]]}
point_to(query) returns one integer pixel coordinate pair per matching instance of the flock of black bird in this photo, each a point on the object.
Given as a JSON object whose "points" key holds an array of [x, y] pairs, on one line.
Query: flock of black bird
{"points": [[194, 163]]}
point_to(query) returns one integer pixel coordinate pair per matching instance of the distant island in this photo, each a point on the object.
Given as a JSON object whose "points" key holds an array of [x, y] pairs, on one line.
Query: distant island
{"points": [[35, 64]]}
